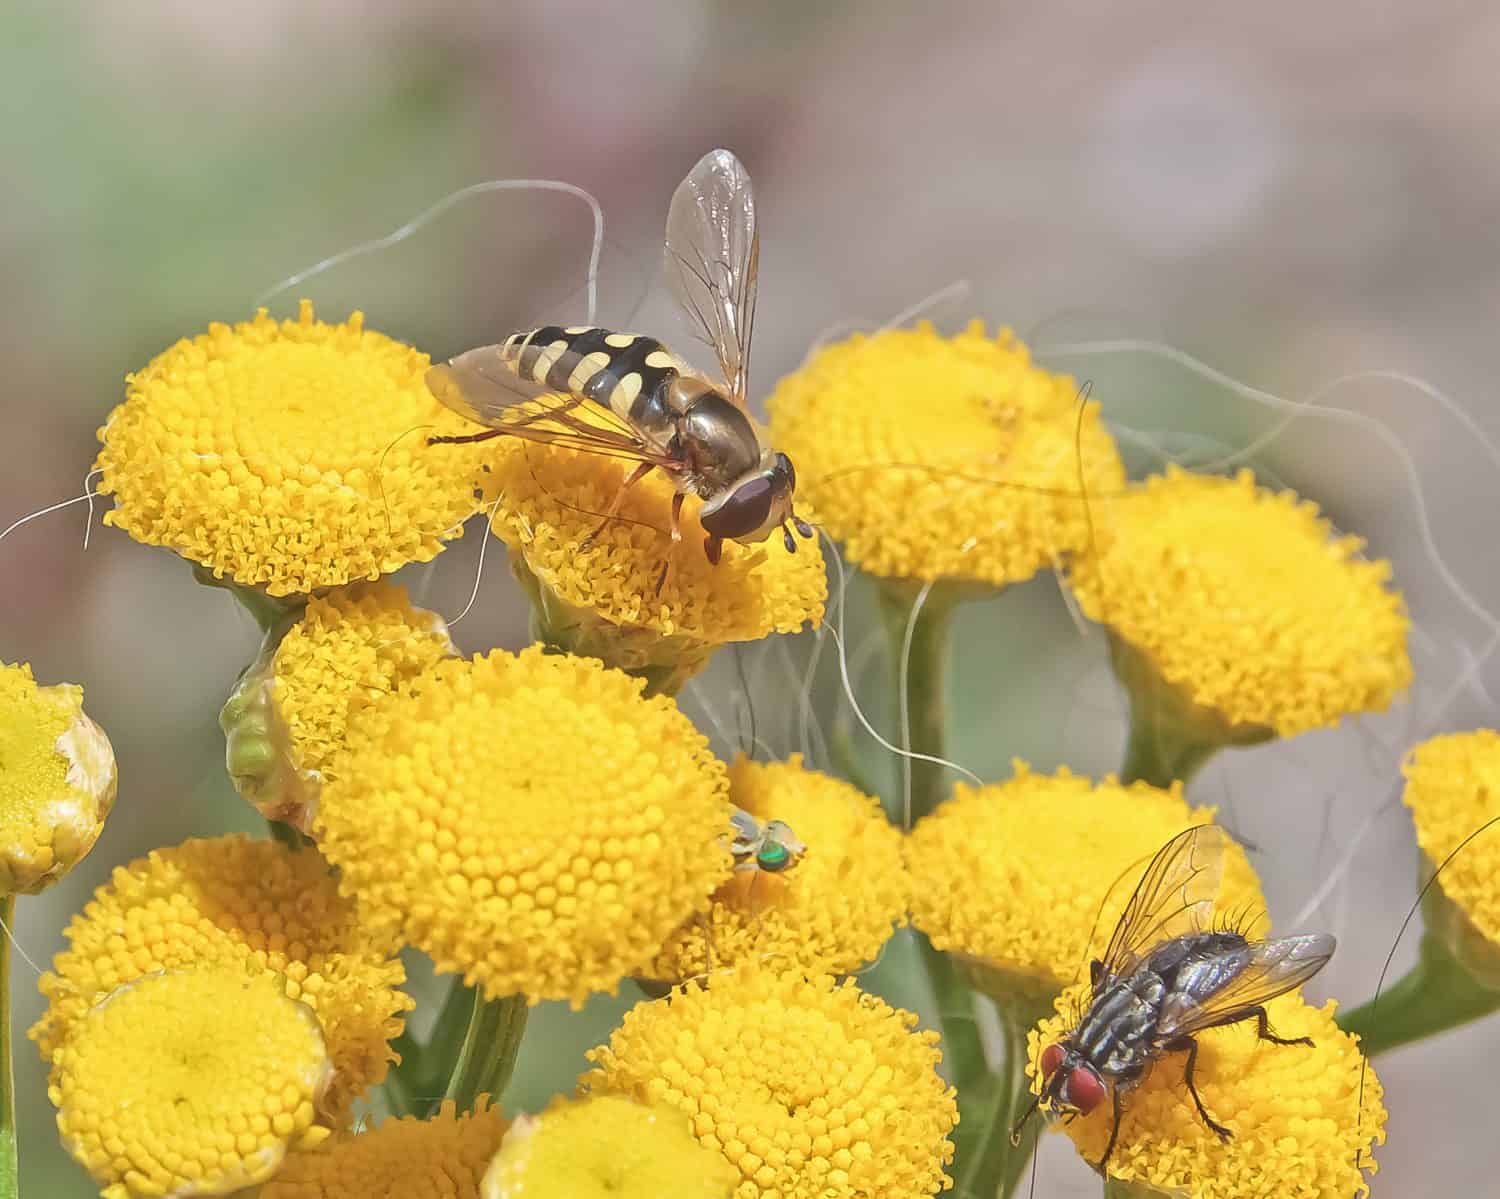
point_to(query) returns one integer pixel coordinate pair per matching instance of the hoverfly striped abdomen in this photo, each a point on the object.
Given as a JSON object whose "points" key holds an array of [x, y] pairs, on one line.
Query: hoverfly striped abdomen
{"points": [[625, 372]]}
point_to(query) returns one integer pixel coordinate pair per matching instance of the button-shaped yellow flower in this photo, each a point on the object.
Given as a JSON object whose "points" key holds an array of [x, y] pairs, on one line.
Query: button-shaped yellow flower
{"points": [[290, 455], [285, 721], [530, 821], [932, 457], [606, 1147], [1029, 876], [1246, 601], [190, 1083], [443, 1157], [57, 781], [252, 906], [812, 1089], [832, 910], [595, 591], [1304, 1119]]}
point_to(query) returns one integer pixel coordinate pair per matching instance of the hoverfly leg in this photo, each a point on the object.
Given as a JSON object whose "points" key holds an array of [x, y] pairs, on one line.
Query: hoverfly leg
{"points": [[1114, 1134], [465, 439], [666, 567], [635, 476], [1191, 1045], [713, 549]]}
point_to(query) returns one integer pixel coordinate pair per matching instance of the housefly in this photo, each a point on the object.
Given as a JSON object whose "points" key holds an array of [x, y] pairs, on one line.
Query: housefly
{"points": [[624, 395], [1165, 977]]}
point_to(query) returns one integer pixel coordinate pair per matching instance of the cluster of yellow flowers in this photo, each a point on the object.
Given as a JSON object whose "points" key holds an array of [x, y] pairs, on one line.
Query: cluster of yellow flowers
{"points": [[548, 824]]}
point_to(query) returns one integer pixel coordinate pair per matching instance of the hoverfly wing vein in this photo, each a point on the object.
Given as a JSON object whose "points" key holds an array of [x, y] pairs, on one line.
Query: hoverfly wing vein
{"points": [[1175, 896], [713, 261]]}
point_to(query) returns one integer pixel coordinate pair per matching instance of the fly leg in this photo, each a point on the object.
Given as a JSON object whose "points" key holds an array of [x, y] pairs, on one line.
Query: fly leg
{"points": [[639, 473], [1263, 1029], [1191, 1045], [713, 547], [1114, 1133], [466, 439], [666, 567]]}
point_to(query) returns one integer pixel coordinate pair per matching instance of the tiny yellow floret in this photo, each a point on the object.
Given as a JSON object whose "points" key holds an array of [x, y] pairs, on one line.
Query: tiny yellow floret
{"points": [[931, 457], [530, 821], [1247, 600], [1305, 1119], [289, 455], [442, 1157], [1453, 789], [606, 1147], [57, 781], [547, 505], [191, 1083], [252, 906], [832, 911], [812, 1089], [285, 721], [1030, 875]]}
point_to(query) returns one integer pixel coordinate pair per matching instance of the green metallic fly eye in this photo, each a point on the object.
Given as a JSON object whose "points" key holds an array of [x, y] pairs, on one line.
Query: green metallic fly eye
{"points": [[773, 856]]}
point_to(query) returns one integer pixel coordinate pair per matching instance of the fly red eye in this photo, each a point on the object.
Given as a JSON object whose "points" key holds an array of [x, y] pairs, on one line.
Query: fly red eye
{"points": [[1052, 1057], [1085, 1089]]}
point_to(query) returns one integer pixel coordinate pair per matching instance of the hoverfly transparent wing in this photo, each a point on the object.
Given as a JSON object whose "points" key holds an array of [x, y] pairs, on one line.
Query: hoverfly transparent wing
{"points": [[713, 261], [1175, 896], [482, 387], [1242, 982]]}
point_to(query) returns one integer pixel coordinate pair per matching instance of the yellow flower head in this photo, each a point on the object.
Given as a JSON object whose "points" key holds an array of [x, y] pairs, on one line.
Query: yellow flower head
{"points": [[1030, 875], [1245, 600], [1297, 1113], [548, 503], [252, 906], [832, 910], [190, 1083], [813, 1090], [934, 457], [285, 721], [606, 1147], [57, 781], [1452, 789], [531, 821], [290, 454], [443, 1157]]}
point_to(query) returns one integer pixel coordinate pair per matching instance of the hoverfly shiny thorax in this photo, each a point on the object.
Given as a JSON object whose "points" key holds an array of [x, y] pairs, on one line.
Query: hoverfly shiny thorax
{"points": [[770, 848]]}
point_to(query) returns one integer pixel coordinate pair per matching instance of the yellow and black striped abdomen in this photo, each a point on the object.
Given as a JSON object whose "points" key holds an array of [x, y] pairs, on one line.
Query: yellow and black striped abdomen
{"points": [[624, 372]]}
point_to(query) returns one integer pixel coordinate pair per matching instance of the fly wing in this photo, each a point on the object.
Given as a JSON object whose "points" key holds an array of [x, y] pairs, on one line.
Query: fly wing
{"points": [[713, 261], [1270, 968], [1175, 896], [482, 387]]}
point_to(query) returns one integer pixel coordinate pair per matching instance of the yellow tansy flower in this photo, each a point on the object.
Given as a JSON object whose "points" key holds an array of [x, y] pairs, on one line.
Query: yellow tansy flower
{"points": [[255, 906], [290, 455], [1452, 788], [606, 1147], [1297, 1113], [285, 721], [190, 1083], [1246, 601], [443, 1157], [831, 911], [1015, 874], [600, 596], [932, 457], [812, 1089], [531, 821], [57, 781]]}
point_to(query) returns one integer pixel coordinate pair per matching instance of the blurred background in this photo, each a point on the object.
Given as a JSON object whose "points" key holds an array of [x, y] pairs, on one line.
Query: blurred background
{"points": [[1298, 196]]}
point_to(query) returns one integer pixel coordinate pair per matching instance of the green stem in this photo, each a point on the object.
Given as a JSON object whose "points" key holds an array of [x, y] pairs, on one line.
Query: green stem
{"points": [[926, 711], [488, 1053], [1436, 995], [268, 612], [1118, 1188], [1154, 755], [10, 1169], [986, 1164], [963, 1047]]}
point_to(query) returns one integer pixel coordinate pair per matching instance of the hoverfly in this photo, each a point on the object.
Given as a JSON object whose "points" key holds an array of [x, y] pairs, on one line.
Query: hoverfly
{"points": [[770, 848], [1165, 977], [627, 396]]}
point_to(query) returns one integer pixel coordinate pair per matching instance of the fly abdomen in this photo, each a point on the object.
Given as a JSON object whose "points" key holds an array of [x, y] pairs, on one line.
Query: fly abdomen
{"points": [[625, 372]]}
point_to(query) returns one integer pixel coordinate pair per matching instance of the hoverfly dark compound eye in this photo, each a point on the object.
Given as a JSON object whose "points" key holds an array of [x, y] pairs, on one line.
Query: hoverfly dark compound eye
{"points": [[743, 511]]}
